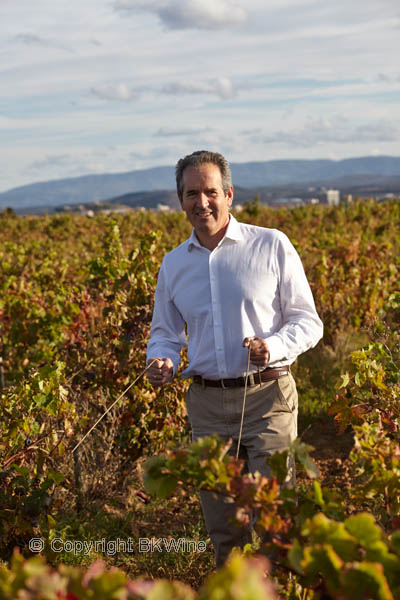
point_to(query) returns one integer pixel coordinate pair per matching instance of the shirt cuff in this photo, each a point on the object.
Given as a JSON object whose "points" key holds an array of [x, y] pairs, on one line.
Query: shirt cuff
{"points": [[277, 350]]}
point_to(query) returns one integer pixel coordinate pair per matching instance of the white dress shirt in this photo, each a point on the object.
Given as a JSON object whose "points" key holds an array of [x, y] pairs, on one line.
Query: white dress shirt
{"points": [[251, 284]]}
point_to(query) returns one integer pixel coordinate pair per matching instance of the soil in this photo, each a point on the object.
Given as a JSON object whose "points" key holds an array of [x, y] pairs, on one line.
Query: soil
{"points": [[331, 451]]}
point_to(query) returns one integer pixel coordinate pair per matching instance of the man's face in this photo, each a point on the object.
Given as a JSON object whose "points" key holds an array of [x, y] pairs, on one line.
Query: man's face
{"points": [[204, 200]]}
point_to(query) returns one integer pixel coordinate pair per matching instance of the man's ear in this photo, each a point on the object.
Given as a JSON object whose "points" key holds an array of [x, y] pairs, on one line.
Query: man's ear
{"points": [[229, 195]]}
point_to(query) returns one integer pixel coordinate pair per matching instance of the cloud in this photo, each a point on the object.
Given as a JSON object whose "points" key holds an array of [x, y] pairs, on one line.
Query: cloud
{"points": [[221, 87], [190, 14], [166, 132], [337, 130], [150, 154], [380, 131], [56, 160], [118, 92], [75, 162], [382, 77], [31, 39]]}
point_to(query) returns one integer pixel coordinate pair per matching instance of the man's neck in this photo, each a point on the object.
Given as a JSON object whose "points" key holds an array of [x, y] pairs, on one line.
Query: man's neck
{"points": [[211, 241]]}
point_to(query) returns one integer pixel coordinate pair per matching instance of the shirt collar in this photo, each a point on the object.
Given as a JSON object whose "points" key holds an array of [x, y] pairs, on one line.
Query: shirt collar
{"points": [[233, 232]]}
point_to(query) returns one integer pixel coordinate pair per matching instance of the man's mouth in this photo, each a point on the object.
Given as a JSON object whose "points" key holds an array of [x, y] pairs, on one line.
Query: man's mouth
{"points": [[204, 213]]}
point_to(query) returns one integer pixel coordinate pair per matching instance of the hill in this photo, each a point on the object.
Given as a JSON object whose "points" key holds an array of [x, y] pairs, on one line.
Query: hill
{"points": [[252, 175]]}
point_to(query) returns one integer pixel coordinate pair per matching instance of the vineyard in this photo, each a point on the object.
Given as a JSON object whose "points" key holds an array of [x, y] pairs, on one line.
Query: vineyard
{"points": [[75, 313]]}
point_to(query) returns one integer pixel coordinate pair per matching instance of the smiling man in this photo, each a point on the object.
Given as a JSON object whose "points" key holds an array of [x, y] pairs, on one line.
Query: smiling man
{"points": [[206, 202], [235, 286]]}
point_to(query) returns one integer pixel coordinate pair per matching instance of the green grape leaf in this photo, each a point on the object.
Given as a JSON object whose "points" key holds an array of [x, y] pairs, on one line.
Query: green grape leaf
{"points": [[295, 556], [363, 528], [279, 467], [318, 496], [156, 482], [365, 580], [322, 560]]}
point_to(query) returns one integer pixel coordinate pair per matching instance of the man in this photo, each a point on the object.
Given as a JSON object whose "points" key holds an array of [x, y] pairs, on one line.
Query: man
{"points": [[235, 286]]}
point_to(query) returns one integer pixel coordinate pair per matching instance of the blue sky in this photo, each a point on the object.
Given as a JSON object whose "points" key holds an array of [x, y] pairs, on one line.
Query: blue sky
{"points": [[94, 86]]}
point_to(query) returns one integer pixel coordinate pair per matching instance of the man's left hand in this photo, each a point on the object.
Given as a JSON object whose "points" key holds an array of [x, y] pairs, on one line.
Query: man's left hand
{"points": [[259, 353]]}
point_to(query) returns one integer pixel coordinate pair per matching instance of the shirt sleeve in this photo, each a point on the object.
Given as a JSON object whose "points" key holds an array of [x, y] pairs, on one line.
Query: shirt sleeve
{"points": [[167, 333], [302, 328]]}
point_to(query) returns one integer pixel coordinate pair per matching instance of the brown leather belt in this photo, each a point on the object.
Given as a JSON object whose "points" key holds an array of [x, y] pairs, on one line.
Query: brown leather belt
{"points": [[253, 379]]}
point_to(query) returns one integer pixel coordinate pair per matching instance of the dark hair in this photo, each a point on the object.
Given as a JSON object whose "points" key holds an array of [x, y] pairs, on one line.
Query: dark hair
{"points": [[201, 157]]}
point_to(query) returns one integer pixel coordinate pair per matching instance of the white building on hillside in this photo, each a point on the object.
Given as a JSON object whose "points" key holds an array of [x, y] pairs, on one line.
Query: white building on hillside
{"points": [[332, 197]]}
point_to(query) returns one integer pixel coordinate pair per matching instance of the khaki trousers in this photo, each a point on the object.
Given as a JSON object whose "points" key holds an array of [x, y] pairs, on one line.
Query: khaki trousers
{"points": [[270, 424]]}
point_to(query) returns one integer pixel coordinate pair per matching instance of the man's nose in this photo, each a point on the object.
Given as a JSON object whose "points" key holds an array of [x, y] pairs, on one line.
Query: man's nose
{"points": [[203, 200]]}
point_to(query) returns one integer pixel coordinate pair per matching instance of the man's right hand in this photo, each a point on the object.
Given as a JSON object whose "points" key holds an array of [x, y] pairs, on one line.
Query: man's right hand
{"points": [[160, 372]]}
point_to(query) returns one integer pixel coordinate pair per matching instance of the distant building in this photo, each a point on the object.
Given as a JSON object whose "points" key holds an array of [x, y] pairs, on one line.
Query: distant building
{"points": [[122, 210], [164, 208], [288, 202], [332, 197]]}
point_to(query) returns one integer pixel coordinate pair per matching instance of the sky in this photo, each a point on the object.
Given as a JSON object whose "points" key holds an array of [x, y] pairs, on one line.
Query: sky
{"points": [[106, 86]]}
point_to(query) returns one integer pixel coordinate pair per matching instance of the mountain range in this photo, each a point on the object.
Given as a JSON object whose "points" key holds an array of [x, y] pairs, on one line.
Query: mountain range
{"points": [[364, 171]]}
